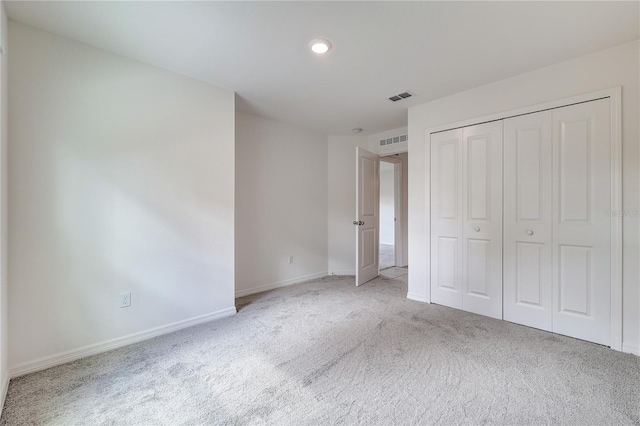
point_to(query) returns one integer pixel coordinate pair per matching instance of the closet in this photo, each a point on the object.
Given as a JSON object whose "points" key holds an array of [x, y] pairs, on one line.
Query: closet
{"points": [[519, 229]]}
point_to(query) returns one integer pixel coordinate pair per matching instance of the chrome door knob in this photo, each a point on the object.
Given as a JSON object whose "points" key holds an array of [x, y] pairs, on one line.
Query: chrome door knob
{"points": [[529, 232], [477, 229], [355, 222]]}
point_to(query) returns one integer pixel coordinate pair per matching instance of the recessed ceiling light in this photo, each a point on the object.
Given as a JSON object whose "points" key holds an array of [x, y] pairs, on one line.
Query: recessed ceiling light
{"points": [[319, 45]]}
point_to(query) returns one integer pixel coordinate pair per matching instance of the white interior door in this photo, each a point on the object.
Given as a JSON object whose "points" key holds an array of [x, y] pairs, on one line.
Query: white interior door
{"points": [[528, 220], [367, 214], [482, 219], [446, 218], [582, 233]]}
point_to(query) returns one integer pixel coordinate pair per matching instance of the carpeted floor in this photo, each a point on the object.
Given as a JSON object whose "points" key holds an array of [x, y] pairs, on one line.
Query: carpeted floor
{"points": [[387, 256], [327, 352]]}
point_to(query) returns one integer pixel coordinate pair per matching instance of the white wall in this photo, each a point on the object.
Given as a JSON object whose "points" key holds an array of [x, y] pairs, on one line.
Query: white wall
{"points": [[612, 67], [281, 204], [374, 142], [4, 137], [342, 202], [387, 203], [121, 179]]}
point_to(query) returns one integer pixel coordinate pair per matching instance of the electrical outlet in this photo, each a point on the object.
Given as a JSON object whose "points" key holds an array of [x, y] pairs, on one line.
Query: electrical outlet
{"points": [[290, 259], [125, 299]]}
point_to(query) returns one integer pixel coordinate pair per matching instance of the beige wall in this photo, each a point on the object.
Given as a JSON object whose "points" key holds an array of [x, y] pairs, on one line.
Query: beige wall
{"points": [[617, 66], [281, 199], [341, 204], [121, 179], [4, 174]]}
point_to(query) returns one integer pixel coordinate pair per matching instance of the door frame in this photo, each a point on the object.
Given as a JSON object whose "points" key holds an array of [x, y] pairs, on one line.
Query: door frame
{"points": [[397, 201], [615, 96]]}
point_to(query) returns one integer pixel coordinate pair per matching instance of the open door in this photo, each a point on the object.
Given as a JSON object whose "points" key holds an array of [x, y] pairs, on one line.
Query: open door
{"points": [[367, 215]]}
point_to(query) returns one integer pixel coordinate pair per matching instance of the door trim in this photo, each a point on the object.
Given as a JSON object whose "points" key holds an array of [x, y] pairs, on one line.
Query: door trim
{"points": [[615, 96]]}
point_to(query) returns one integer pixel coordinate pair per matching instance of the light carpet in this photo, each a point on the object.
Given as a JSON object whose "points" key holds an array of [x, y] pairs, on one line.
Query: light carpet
{"points": [[326, 352], [387, 258]]}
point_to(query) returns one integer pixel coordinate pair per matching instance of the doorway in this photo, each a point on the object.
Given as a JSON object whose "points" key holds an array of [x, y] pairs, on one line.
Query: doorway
{"points": [[392, 205], [388, 217], [368, 249]]}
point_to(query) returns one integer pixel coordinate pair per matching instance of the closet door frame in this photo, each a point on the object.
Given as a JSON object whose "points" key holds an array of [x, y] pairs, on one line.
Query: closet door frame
{"points": [[615, 96]]}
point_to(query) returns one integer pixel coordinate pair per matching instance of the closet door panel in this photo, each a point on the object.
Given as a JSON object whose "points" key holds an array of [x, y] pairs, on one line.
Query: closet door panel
{"points": [[482, 219], [528, 220], [582, 233], [446, 218]]}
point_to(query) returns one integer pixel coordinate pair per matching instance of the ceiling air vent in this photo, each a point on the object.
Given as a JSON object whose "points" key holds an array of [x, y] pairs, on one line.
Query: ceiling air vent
{"points": [[400, 96], [392, 140]]}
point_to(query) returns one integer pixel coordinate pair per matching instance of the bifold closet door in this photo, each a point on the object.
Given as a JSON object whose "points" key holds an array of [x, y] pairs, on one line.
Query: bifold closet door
{"points": [[581, 227], [482, 219], [556, 249], [528, 229], [557, 236], [446, 218], [466, 219]]}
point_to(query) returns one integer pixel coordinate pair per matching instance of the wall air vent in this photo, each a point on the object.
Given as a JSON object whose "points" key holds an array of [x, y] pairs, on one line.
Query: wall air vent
{"points": [[401, 96], [393, 140]]}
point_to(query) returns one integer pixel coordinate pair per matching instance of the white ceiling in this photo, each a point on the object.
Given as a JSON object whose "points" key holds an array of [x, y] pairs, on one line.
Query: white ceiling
{"points": [[259, 49]]}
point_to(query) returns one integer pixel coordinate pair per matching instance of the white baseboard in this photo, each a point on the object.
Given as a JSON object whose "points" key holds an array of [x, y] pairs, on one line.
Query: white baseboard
{"points": [[417, 297], [631, 349], [272, 286], [96, 348], [4, 390], [343, 272]]}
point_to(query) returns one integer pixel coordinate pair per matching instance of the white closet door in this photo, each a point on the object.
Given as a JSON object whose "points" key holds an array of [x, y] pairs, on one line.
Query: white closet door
{"points": [[446, 218], [528, 220], [582, 234], [482, 219]]}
